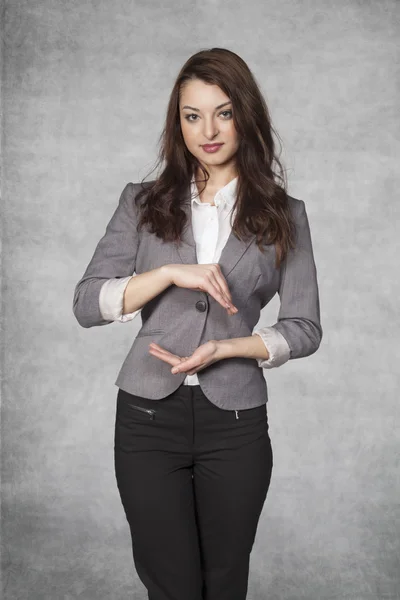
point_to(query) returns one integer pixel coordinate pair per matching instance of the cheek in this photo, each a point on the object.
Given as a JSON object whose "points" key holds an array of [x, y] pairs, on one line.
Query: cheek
{"points": [[188, 137], [232, 133]]}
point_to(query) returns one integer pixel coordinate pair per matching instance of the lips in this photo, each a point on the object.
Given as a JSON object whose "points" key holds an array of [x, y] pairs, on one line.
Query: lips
{"points": [[211, 146]]}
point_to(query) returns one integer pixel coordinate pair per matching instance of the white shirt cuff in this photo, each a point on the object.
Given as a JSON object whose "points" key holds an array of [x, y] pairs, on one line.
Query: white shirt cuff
{"points": [[111, 300], [277, 346]]}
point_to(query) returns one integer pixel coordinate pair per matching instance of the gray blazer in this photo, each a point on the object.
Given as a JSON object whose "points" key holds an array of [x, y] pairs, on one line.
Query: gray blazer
{"points": [[181, 319]]}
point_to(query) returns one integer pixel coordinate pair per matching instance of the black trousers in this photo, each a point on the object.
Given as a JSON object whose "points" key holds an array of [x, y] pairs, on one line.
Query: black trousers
{"points": [[193, 479]]}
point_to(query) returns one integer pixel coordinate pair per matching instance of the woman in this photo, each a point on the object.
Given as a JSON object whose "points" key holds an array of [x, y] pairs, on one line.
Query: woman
{"points": [[199, 252]]}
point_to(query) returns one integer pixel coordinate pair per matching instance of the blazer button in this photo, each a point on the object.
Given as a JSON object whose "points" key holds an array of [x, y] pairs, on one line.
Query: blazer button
{"points": [[201, 305]]}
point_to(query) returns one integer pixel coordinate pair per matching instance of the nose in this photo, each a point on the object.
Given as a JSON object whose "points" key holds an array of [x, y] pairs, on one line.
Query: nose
{"points": [[210, 129]]}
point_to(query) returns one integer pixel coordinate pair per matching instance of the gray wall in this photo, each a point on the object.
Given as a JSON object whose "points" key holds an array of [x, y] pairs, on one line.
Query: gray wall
{"points": [[84, 99]]}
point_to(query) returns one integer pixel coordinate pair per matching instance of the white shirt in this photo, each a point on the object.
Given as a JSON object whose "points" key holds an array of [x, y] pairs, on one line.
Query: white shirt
{"points": [[211, 229]]}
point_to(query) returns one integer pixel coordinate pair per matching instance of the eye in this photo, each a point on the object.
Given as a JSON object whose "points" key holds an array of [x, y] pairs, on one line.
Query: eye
{"points": [[224, 112]]}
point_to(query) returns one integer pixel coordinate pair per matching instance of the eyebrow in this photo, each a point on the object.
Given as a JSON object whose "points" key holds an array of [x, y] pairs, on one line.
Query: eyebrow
{"points": [[216, 108]]}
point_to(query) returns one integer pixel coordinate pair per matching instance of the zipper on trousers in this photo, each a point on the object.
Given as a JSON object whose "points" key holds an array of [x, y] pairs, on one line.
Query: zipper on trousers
{"points": [[149, 411], [237, 414]]}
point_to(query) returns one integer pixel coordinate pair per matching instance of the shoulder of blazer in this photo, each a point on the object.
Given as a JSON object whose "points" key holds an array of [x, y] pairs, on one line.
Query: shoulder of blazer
{"points": [[146, 184], [136, 187], [296, 205], [294, 202]]}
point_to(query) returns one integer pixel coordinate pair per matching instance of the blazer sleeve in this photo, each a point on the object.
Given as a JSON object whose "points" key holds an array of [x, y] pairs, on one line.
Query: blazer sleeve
{"points": [[111, 300], [114, 257], [299, 315]]}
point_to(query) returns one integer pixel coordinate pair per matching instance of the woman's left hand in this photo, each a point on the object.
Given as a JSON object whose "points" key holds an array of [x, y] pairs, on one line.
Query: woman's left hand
{"points": [[202, 357]]}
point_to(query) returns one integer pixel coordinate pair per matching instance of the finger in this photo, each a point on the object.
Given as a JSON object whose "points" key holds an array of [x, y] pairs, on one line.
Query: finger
{"points": [[169, 358], [196, 370], [214, 290], [155, 345], [184, 366], [222, 283], [164, 355], [161, 350], [211, 286], [216, 280]]}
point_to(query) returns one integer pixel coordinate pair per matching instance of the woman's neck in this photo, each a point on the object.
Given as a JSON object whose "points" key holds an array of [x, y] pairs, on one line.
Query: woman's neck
{"points": [[216, 181]]}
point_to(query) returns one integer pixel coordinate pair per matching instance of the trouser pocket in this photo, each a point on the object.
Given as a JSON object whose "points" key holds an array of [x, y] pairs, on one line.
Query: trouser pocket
{"points": [[150, 412], [135, 421]]}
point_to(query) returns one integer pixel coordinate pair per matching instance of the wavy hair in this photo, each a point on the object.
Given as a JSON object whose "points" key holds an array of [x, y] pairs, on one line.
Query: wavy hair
{"points": [[262, 206]]}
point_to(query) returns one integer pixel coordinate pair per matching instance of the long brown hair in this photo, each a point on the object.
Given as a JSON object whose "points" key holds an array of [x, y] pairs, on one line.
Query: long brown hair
{"points": [[262, 202]]}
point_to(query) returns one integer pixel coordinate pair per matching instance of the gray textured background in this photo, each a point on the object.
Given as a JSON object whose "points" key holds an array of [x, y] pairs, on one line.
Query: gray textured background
{"points": [[84, 98]]}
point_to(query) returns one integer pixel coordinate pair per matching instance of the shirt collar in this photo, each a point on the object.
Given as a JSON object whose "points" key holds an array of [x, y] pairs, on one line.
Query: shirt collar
{"points": [[226, 194]]}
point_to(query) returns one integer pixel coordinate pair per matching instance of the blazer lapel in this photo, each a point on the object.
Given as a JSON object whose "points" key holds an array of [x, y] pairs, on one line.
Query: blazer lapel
{"points": [[231, 253]]}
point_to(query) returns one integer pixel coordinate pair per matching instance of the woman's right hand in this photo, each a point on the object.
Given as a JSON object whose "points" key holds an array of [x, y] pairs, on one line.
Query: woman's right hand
{"points": [[205, 277]]}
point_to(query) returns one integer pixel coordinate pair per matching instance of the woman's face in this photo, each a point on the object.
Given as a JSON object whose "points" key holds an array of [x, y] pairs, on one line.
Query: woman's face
{"points": [[204, 121]]}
